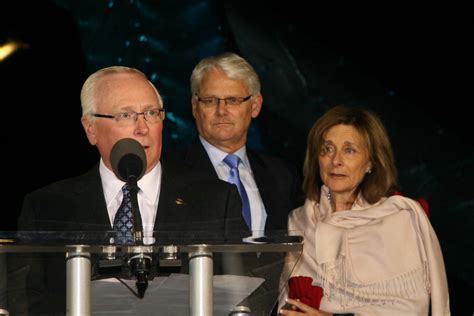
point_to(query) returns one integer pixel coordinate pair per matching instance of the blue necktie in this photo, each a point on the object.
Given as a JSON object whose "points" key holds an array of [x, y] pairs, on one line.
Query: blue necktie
{"points": [[123, 221], [233, 162]]}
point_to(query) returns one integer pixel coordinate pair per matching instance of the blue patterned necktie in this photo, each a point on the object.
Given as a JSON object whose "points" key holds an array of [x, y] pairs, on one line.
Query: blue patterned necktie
{"points": [[233, 162], [123, 221]]}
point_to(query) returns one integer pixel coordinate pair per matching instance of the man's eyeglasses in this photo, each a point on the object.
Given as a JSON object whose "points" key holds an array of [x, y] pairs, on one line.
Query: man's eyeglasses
{"points": [[128, 118], [214, 101]]}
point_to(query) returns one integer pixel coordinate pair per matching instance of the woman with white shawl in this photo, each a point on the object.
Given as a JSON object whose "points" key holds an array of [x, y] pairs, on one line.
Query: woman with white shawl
{"points": [[370, 251]]}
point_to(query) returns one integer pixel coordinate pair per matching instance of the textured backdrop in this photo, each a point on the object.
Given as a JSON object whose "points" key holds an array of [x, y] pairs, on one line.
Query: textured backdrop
{"points": [[408, 64]]}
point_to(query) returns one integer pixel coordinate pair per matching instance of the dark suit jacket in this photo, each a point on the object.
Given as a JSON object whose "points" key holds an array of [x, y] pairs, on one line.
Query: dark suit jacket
{"points": [[209, 207], [279, 183], [186, 202], [280, 187]]}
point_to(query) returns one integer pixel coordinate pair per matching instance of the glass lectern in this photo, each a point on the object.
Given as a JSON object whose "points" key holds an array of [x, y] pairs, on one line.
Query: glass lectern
{"points": [[185, 273]]}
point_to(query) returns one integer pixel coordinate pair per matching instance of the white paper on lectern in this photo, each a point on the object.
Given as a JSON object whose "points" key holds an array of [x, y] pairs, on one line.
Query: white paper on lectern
{"points": [[167, 295]]}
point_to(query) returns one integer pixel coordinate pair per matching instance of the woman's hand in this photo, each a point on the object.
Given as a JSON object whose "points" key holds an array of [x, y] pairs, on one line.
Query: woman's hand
{"points": [[294, 305]]}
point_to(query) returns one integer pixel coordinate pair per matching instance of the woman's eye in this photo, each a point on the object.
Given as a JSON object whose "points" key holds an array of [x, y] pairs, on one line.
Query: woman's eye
{"points": [[328, 149]]}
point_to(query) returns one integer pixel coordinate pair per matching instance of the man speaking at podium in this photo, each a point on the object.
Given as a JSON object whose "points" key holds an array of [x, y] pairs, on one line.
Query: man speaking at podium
{"points": [[120, 103]]}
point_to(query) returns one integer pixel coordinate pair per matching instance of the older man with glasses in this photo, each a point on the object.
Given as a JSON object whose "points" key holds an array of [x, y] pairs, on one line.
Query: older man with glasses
{"points": [[120, 103], [225, 98]]}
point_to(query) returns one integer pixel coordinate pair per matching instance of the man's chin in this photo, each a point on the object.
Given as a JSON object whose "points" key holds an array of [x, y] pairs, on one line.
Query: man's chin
{"points": [[223, 132], [224, 137]]}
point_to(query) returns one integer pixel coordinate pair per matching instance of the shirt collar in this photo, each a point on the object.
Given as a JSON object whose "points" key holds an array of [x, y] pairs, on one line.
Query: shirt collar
{"points": [[149, 184], [217, 156]]}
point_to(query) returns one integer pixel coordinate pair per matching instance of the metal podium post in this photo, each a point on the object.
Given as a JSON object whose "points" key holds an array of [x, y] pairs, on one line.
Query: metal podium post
{"points": [[200, 282], [78, 282]]}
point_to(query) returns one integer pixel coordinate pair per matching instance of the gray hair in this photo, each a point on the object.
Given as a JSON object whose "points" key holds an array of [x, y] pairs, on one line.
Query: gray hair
{"points": [[234, 67], [88, 100]]}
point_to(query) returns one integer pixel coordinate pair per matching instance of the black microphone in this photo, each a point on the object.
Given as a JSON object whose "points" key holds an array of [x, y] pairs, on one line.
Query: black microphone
{"points": [[128, 161]]}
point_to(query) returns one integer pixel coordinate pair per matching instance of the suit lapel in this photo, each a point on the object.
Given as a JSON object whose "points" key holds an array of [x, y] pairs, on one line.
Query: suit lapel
{"points": [[91, 209], [167, 194], [197, 159], [200, 163], [266, 186]]}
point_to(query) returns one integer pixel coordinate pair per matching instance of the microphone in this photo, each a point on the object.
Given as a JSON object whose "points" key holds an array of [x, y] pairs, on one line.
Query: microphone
{"points": [[128, 161]]}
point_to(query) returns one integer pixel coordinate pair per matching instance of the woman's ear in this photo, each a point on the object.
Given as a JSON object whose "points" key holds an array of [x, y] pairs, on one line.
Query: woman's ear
{"points": [[369, 168]]}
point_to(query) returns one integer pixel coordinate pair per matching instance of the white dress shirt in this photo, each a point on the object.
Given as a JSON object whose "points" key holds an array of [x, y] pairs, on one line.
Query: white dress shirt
{"points": [[148, 197], [257, 209]]}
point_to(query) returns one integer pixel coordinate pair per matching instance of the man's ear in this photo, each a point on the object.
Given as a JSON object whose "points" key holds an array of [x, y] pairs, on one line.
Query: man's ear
{"points": [[194, 105], [89, 128], [257, 102]]}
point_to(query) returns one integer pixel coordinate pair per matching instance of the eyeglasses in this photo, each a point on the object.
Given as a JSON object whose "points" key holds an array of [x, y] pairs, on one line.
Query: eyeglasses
{"points": [[214, 101], [128, 118]]}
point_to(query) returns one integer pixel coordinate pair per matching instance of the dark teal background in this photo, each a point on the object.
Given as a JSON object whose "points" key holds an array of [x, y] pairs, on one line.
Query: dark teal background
{"points": [[412, 65]]}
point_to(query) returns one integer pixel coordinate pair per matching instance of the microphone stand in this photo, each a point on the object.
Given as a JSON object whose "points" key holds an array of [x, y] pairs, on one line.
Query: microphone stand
{"points": [[139, 262], [137, 219]]}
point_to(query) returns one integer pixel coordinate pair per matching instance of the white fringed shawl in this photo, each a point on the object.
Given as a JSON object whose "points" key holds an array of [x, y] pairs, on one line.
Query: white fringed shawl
{"points": [[380, 259]]}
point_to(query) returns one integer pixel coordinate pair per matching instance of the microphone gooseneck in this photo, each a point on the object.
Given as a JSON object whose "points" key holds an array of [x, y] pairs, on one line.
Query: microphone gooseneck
{"points": [[128, 161]]}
